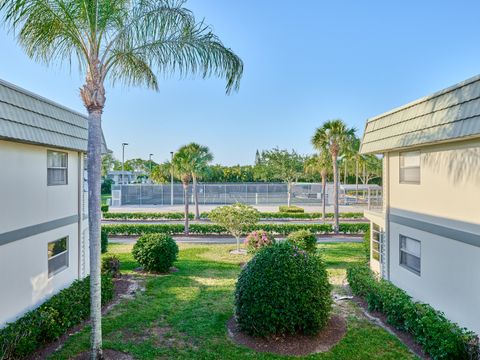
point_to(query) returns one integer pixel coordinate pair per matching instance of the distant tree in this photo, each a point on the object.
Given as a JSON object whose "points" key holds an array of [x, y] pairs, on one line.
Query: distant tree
{"points": [[283, 165], [183, 163], [371, 168], [235, 218], [161, 173], [108, 163], [334, 136], [201, 156]]}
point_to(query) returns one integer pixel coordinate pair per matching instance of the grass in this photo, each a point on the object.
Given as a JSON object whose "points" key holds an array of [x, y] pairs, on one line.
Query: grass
{"points": [[105, 198], [183, 315]]}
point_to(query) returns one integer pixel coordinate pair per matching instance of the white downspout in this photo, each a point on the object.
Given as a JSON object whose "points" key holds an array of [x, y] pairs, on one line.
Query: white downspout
{"points": [[386, 208], [79, 212]]}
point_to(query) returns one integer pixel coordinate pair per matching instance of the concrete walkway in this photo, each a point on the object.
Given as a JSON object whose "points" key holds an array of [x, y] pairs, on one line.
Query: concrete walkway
{"points": [[231, 240]]}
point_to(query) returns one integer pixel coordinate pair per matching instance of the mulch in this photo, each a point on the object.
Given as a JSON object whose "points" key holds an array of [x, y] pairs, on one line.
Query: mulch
{"points": [[122, 287], [404, 337], [297, 345]]}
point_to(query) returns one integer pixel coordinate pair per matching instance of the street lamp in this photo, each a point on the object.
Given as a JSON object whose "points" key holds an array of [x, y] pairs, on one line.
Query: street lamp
{"points": [[123, 161], [150, 163], [171, 178]]}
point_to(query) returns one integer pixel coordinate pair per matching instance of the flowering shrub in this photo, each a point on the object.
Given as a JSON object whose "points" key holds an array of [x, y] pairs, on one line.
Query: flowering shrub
{"points": [[258, 239], [283, 290]]}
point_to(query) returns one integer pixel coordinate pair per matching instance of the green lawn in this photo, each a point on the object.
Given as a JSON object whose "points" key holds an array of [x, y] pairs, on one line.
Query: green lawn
{"points": [[183, 315]]}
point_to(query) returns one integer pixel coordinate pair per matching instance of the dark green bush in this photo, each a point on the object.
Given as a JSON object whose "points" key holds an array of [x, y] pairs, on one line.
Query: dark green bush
{"points": [[111, 265], [104, 208], [50, 320], [257, 240], [209, 229], [304, 239], [104, 240], [283, 290], [155, 252], [263, 215], [291, 209], [439, 337]]}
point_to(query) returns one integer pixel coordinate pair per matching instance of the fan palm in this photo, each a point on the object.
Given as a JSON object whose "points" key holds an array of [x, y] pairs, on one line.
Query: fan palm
{"points": [[122, 41], [202, 157], [334, 136], [320, 163], [183, 164]]}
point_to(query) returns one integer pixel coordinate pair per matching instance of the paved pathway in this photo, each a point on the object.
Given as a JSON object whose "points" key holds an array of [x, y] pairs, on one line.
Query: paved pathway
{"points": [[231, 240]]}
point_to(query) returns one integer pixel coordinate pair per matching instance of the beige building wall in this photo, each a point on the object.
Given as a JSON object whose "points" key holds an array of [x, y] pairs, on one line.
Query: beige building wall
{"points": [[26, 202], [448, 197]]}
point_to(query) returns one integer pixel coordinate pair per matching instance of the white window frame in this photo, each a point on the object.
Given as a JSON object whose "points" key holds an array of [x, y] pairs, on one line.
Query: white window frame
{"points": [[402, 167], [405, 251], [378, 231], [65, 168], [63, 253]]}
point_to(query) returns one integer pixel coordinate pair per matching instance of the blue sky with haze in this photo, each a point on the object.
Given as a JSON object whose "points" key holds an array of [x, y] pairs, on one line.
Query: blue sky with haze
{"points": [[306, 61]]}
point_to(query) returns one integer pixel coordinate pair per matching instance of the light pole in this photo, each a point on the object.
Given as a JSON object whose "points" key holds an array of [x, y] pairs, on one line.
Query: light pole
{"points": [[150, 163], [171, 178], [123, 161]]}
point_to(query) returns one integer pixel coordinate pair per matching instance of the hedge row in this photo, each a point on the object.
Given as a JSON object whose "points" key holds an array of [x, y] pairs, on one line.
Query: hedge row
{"points": [[439, 337], [263, 215], [50, 320], [212, 229]]}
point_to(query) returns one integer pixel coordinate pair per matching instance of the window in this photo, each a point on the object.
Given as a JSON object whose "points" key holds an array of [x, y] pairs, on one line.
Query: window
{"points": [[377, 233], [57, 256], [410, 254], [57, 168], [410, 167]]}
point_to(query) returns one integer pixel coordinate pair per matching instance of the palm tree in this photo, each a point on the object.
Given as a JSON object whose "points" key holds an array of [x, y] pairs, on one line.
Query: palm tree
{"points": [[122, 41], [202, 157], [320, 163], [183, 163], [334, 136]]}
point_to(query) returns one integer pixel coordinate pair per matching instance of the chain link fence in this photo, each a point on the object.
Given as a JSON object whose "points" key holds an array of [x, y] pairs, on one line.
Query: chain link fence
{"points": [[230, 193]]}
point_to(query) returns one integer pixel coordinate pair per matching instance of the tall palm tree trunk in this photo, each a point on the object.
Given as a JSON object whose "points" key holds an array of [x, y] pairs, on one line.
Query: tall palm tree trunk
{"points": [[324, 195], [356, 181], [185, 197], [94, 177], [335, 191], [195, 192]]}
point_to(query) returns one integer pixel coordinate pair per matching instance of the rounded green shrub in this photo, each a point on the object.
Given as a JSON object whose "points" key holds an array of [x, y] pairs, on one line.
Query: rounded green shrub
{"points": [[283, 290], [111, 265], [257, 240], [155, 252], [304, 239]]}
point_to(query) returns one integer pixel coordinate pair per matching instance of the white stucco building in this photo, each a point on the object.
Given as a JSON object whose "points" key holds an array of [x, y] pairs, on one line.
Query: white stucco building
{"points": [[426, 234], [43, 200]]}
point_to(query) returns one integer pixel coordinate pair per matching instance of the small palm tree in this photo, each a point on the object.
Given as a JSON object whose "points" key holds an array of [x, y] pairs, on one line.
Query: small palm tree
{"points": [[202, 157], [123, 41], [320, 163], [334, 136], [183, 163]]}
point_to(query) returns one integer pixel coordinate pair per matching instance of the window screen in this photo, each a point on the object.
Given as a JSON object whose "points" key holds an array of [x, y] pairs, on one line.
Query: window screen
{"points": [[410, 167], [410, 254], [57, 168], [57, 256]]}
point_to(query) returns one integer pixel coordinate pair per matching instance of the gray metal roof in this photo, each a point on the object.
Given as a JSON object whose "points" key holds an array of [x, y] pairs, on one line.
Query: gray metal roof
{"points": [[27, 117], [450, 114]]}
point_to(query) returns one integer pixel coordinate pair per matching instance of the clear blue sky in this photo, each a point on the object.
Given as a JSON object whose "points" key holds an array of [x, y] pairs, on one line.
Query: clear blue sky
{"points": [[306, 61]]}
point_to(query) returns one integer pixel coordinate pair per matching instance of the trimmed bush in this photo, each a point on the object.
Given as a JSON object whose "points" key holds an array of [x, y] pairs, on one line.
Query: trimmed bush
{"points": [[257, 240], [304, 239], [283, 290], [439, 337], [155, 252], [104, 208], [204, 215], [50, 320], [291, 209], [104, 240], [210, 229], [111, 265]]}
